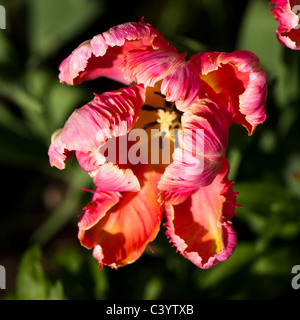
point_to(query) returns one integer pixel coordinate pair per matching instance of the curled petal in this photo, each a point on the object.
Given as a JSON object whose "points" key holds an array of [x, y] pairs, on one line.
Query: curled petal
{"points": [[111, 114], [239, 82], [286, 12], [200, 227], [149, 66], [90, 161], [205, 117], [102, 55], [57, 152], [110, 178], [180, 80], [182, 85], [185, 174], [120, 226], [203, 143], [96, 210]]}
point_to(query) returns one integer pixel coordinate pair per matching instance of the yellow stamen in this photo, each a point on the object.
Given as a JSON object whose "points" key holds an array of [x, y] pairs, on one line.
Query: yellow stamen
{"points": [[166, 119]]}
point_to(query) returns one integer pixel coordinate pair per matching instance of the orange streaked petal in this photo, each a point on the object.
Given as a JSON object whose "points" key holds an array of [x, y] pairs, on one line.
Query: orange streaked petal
{"points": [[200, 226], [130, 223], [239, 81]]}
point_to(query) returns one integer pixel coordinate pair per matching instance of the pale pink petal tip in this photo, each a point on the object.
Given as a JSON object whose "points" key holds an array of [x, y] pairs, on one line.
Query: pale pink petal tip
{"points": [[110, 178], [57, 153], [286, 12], [102, 55], [109, 115]]}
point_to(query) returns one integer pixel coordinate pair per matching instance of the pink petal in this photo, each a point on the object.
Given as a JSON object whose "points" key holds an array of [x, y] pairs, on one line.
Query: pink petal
{"points": [[287, 14], [119, 227], [203, 143], [239, 81], [96, 210], [150, 66], [110, 178], [111, 114], [185, 174], [90, 161], [57, 152], [200, 227], [206, 115], [180, 80], [182, 85], [102, 56]]}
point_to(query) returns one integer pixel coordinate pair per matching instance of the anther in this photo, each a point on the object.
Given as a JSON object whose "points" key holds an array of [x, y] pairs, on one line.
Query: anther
{"points": [[147, 107], [150, 124]]}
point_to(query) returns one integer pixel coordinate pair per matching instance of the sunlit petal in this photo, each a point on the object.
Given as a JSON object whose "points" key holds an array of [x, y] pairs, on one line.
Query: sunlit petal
{"points": [[200, 227], [286, 12], [109, 115], [120, 226], [239, 81]]}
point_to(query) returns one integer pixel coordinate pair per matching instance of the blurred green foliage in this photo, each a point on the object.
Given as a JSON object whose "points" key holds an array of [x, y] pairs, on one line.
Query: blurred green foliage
{"points": [[40, 204]]}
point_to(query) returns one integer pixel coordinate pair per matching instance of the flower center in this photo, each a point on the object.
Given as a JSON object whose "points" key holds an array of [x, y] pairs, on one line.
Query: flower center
{"points": [[166, 115], [166, 119]]}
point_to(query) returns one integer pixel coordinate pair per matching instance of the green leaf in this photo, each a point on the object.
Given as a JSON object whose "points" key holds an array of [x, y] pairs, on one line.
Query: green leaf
{"points": [[153, 288], [100, 279], [269, 210], [62, 100], [234, 159], [56, 292], [58, 99], [53, 23], [6, 48], [69, 258], [277, 261], [31, 282]]}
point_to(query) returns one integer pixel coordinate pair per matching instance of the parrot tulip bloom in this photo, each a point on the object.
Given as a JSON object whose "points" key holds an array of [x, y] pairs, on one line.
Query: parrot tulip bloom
{"points": [[287, 13], [184, 107]]}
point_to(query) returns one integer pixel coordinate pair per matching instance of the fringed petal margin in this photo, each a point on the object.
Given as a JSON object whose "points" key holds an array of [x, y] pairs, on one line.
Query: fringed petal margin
{"points": [[110, 178], [102, 56], [57, 152], [239, 81], [200, 227], [110, 114], [119, 226]]}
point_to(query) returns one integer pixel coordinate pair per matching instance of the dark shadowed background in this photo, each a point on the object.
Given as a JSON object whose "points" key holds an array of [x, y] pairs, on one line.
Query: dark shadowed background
{"points": [[40, 205]]}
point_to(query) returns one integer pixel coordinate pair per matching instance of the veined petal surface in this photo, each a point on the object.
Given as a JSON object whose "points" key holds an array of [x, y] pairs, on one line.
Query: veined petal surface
{"points": [[119, 226], [200, 227], [239, 82]]}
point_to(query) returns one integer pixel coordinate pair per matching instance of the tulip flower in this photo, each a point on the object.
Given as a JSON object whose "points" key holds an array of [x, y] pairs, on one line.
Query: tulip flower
{"points": [[287, 13], [177, 107]]}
